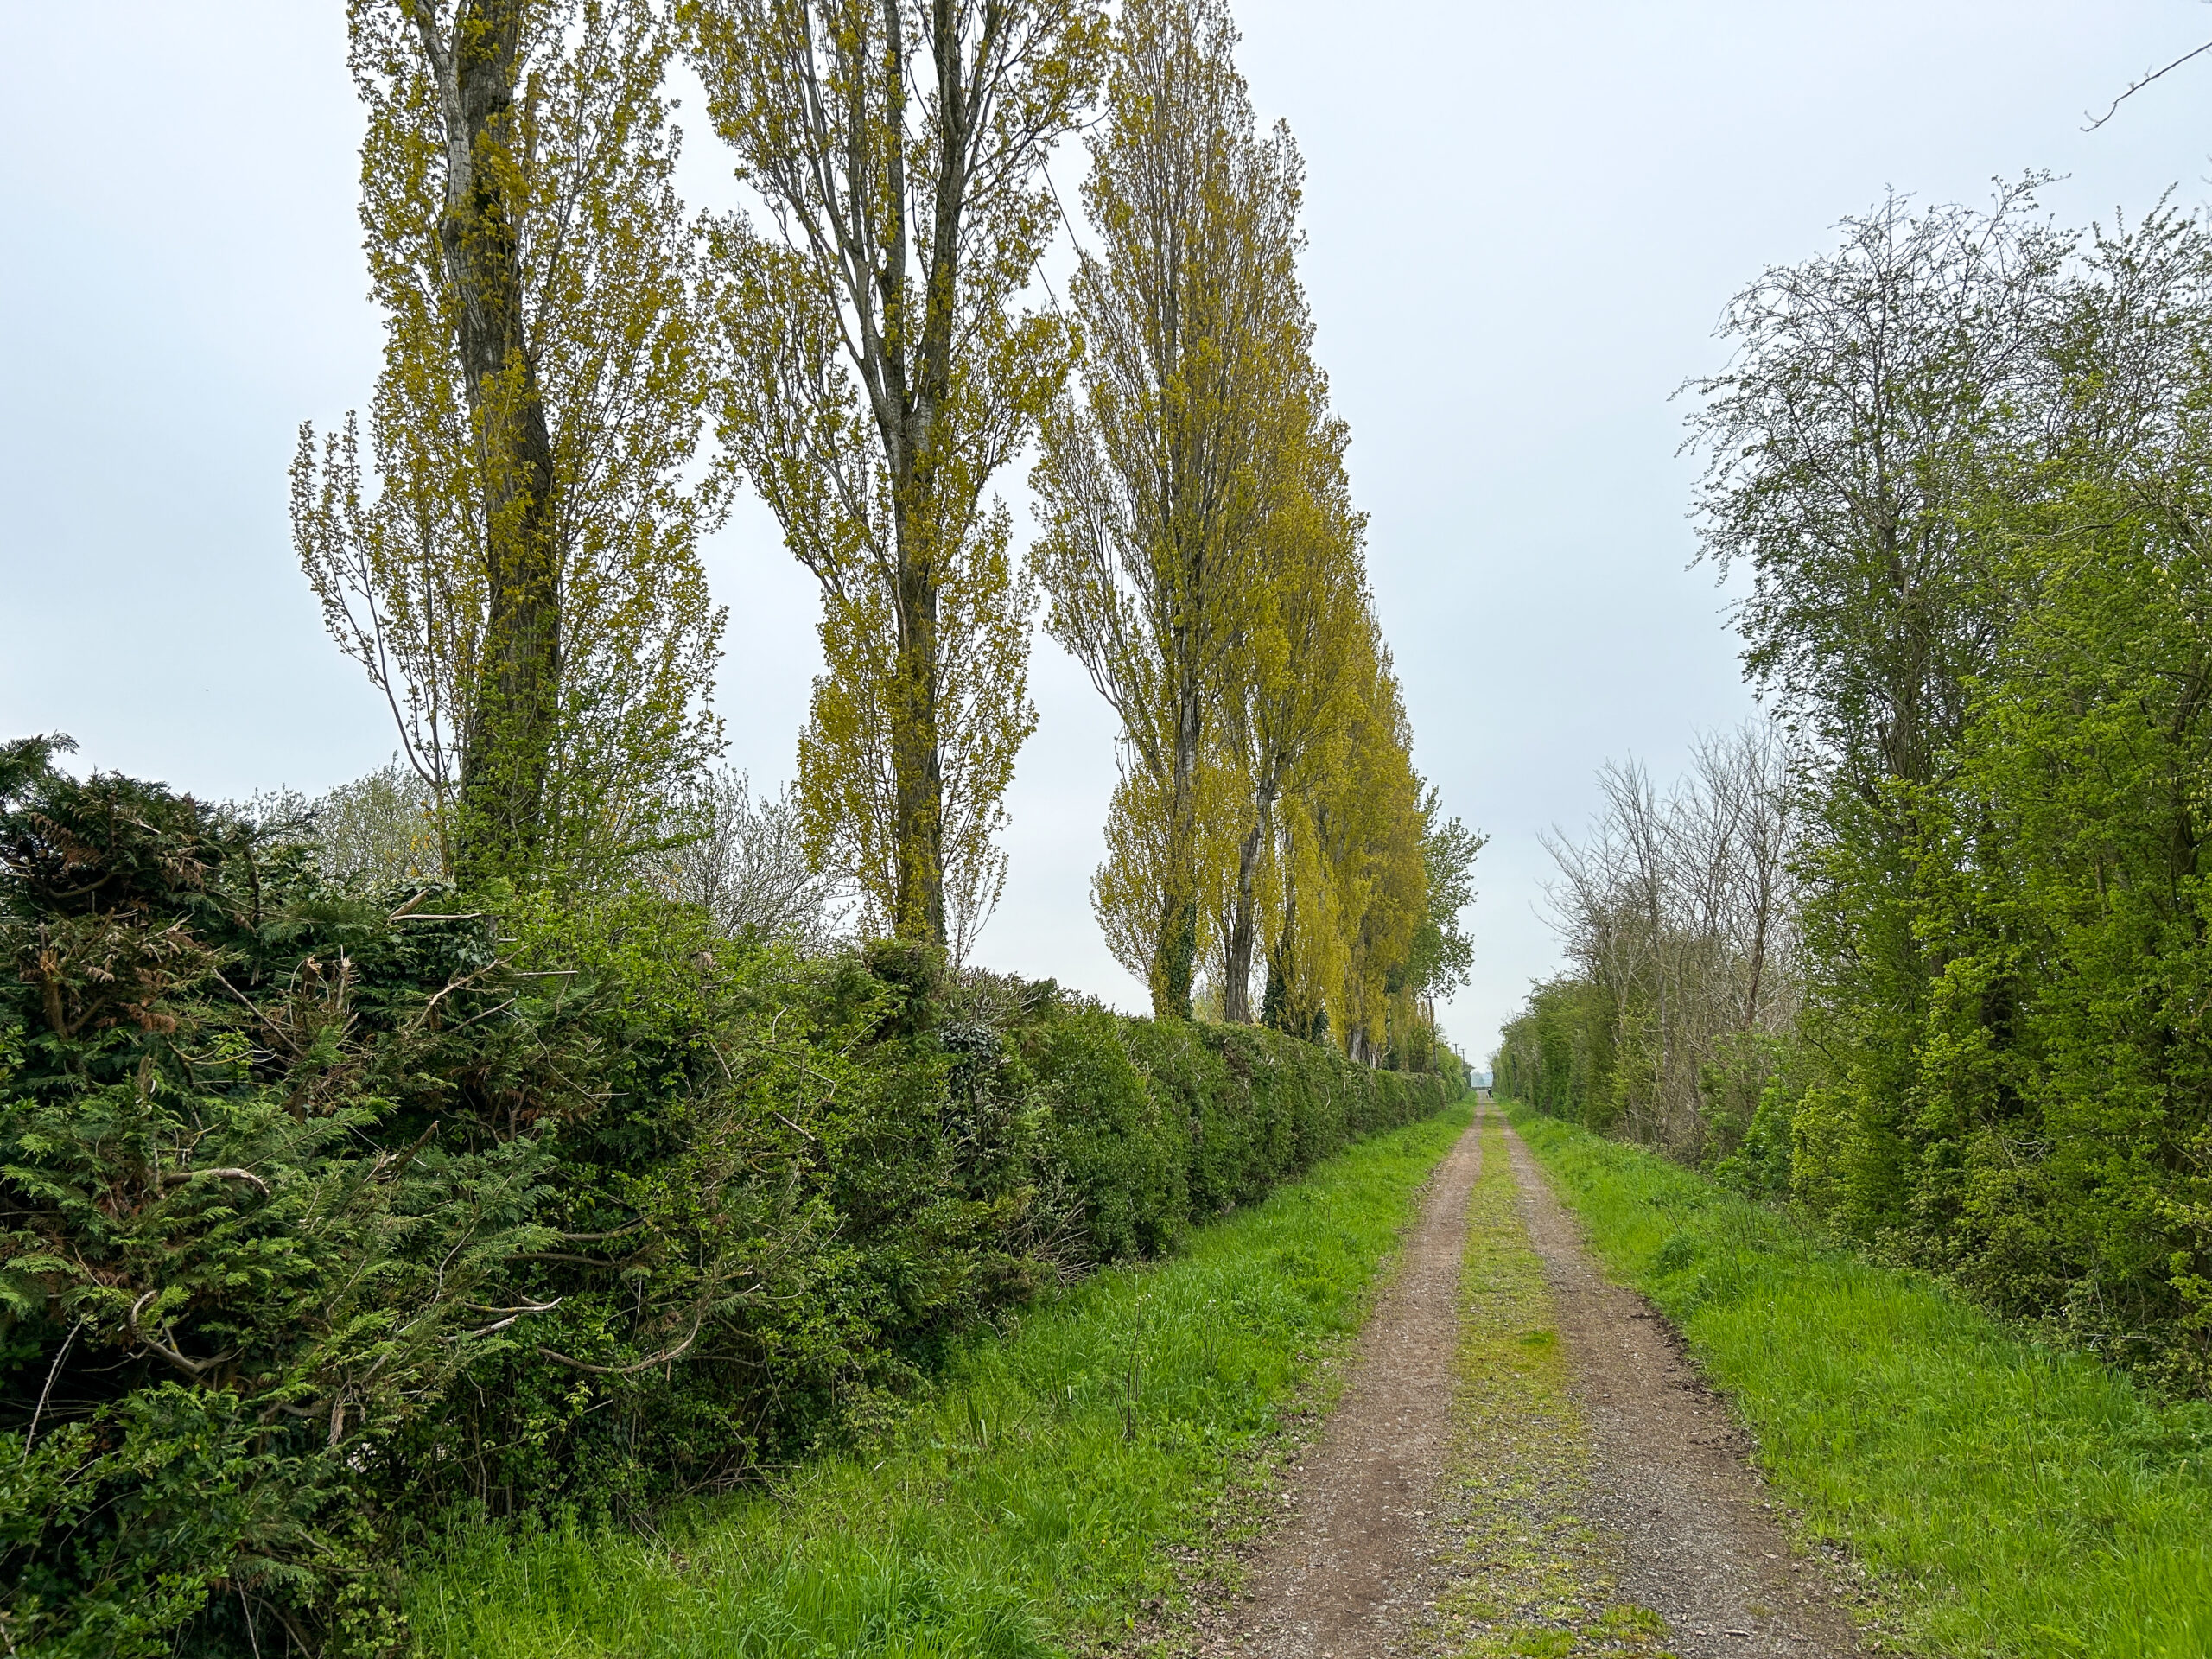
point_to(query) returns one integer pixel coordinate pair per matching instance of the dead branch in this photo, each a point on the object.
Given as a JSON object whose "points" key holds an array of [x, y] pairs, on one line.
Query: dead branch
{"points": [[179, 1177], [451, 985], [408, 909], [2138, 85], [526, 1307], [675, 1353], [389, 1164], [51, 1371], [194, 1368]]}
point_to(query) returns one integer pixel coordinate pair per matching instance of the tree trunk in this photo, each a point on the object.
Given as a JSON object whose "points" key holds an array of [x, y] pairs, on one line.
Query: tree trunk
{"points": [[508, 736], [1175, 973], [916, 371], [916, 768], [1175, 960], [1243, 929], [1275, 1008]]}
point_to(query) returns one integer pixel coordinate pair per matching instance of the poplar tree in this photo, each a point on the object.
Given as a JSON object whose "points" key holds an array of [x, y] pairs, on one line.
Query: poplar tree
{"points": [[881, 368], [517, 566], [1292, 698], [1350, 893], [1157, 484]]}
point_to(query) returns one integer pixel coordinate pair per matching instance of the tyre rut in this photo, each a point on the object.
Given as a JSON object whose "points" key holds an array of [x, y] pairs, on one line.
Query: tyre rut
{"points": [[1521, 1460]]}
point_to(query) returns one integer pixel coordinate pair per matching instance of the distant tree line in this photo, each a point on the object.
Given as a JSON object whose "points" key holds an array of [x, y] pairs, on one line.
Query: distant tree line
{"points": [[1966, 461], [1680, 914]]}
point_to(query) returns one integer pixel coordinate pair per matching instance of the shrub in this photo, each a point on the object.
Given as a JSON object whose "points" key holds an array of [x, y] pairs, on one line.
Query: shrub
{"points": [[328, 1208], [265, 1148]]}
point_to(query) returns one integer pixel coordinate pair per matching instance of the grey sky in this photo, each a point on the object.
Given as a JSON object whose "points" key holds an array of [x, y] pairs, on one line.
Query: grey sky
{"points": [[1523, 220]]}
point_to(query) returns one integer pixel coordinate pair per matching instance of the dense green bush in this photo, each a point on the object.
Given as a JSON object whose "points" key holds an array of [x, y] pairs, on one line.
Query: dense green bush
{"points": [[1965, 460], [2007, 1073], [327, 1208], [2045, 1135], [1153, 1123], [260, 1171]]}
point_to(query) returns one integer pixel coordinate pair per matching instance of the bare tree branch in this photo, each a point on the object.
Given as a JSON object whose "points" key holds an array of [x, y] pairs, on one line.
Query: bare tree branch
{"points": [[2136, 86], [179, 1177], [662, 1359]]}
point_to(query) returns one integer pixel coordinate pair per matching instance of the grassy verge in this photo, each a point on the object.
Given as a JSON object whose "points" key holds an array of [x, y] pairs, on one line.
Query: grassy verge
{"points": [[2011, 1498], [1028, 1508]]}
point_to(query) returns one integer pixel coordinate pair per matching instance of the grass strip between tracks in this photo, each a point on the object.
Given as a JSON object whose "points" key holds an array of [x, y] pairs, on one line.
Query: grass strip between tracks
{"points": [[2009, 1497], [1029, 1507], [1533, 1578]]}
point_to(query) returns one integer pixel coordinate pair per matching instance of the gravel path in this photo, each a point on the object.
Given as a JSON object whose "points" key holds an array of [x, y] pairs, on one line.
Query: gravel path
{"points": [[1696, 1536], [1351, 1566], [1626, 1492]]}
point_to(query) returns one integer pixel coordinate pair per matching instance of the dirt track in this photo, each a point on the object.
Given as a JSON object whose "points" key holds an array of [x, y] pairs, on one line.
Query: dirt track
{"points": [[1521, 1460], [1353, 1566]]}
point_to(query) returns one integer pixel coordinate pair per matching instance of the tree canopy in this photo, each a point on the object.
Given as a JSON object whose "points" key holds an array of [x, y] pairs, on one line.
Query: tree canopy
{"points": [[516, 565]]}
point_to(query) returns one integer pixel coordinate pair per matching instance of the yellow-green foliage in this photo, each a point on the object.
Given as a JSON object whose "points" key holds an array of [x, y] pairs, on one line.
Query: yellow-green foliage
{"points": [[409, 547], [1204, 563], [1160, 485], [880, 365]]}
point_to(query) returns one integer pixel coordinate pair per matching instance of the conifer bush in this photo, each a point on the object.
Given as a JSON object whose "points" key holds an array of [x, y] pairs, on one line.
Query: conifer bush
{"points": [[329, 1208]]}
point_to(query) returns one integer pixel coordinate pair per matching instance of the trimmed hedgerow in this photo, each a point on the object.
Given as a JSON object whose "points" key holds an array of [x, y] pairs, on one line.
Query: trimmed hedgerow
{"points": [[325, 1210]]}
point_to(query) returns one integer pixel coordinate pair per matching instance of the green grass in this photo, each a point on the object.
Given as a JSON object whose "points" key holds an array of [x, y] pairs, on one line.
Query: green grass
{"points": [[2011, 1498], [1030, 1506]]}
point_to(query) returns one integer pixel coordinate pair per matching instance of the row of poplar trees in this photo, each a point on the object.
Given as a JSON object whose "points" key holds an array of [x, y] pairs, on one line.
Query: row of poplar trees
{"points": [[873, 340]]}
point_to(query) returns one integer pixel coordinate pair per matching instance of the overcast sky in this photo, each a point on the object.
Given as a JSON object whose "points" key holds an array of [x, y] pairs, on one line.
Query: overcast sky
{"points": [[1524, 221]]}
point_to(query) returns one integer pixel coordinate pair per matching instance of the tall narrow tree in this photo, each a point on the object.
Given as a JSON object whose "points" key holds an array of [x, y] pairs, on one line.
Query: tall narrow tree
{"points": [[1292, 697], [1157, 484], [1355, 891], [520, 577], [881, 369], [1377, 839]]}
